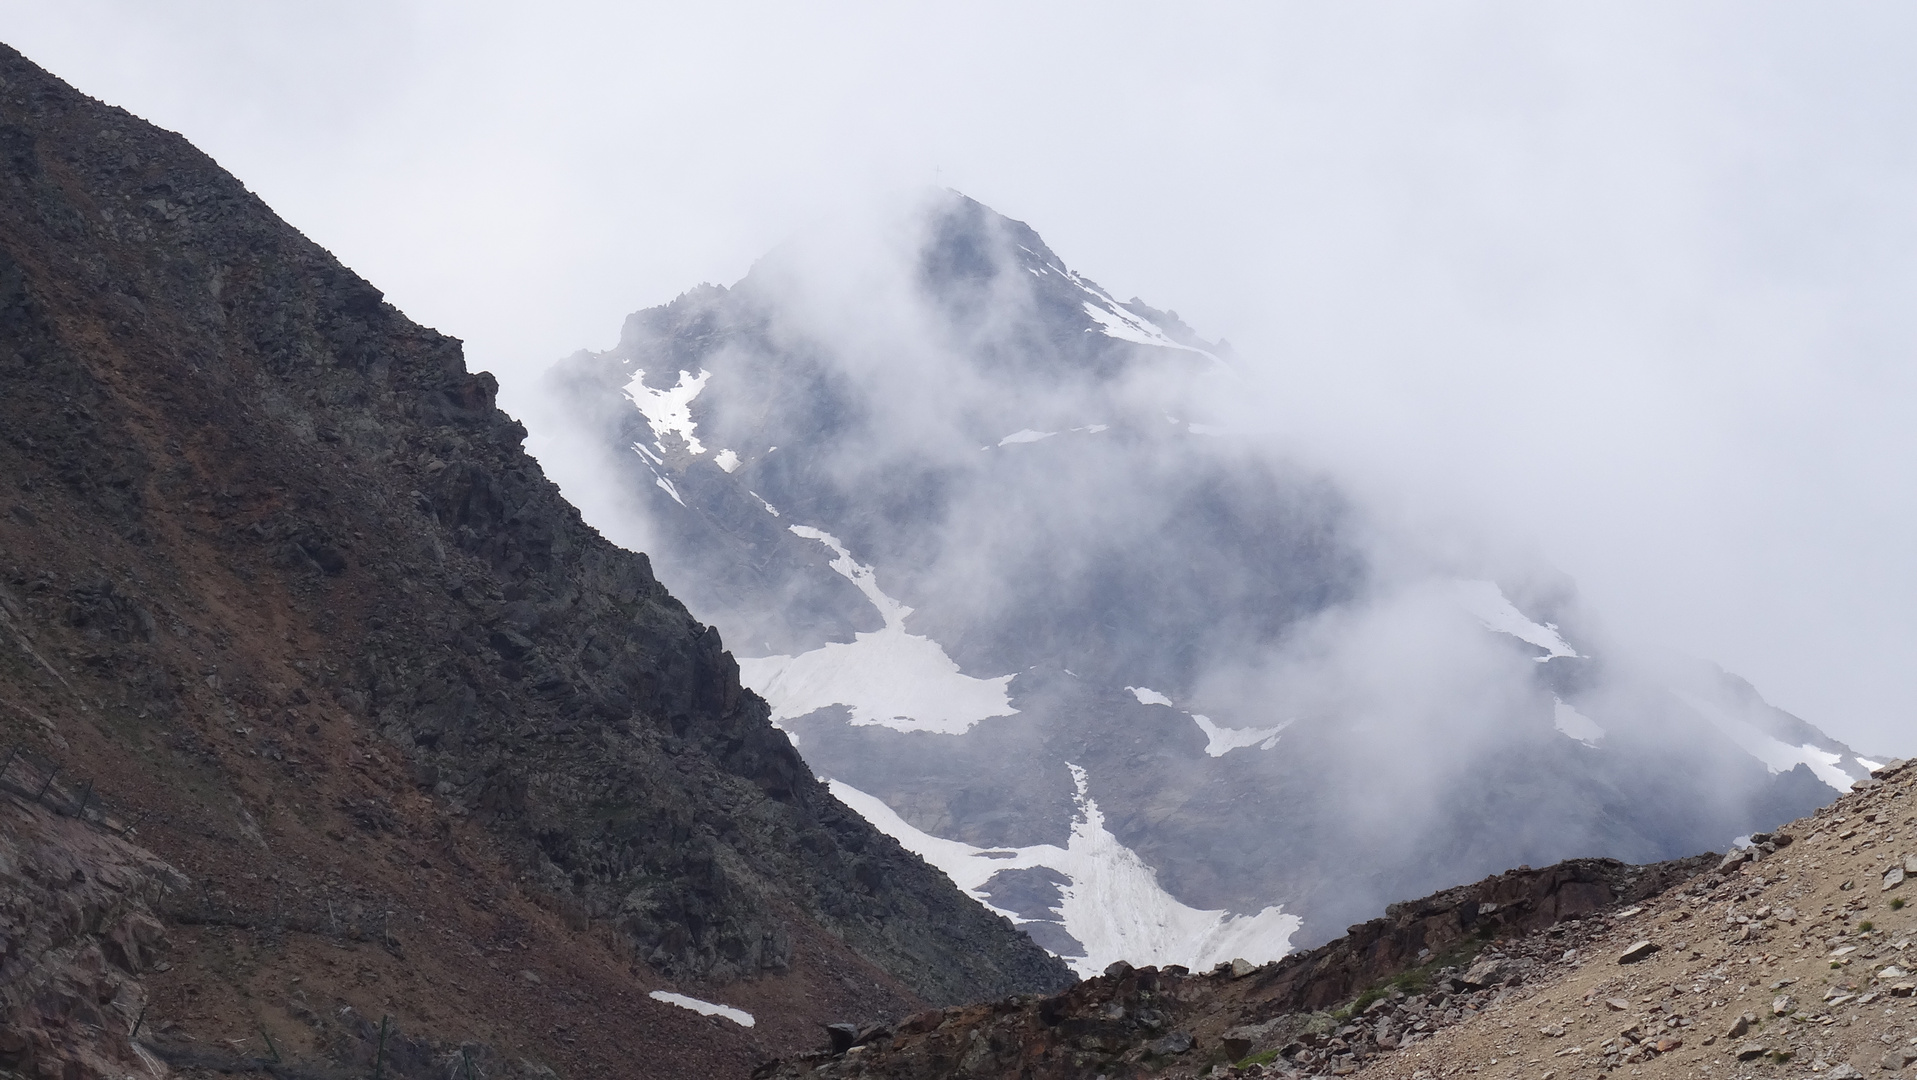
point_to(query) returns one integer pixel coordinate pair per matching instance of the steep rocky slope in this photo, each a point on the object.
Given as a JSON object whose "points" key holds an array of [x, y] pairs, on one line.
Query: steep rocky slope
{"points": [[283, 600], [1790, 956]]}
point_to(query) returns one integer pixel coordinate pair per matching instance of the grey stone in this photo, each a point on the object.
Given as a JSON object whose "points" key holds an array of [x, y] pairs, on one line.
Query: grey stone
{"points": [[1751, 1050], [1641, 950], [1893, 878], [1484, 973], [1178, 1042]]}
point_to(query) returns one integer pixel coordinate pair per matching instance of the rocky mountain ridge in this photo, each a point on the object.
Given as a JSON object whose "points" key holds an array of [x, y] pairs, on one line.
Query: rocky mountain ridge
{"points": [[1792, 954], [976, 534], [278, 581]]}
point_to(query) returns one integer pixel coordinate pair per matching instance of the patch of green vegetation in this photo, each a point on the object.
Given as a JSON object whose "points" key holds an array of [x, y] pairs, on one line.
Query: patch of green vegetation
{"points": [[1263, 1057], [1866, 926], [1897, 904]]}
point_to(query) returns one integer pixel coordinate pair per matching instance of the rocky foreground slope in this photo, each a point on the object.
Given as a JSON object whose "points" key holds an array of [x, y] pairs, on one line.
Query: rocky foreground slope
{"points": [[1789, 958], [424, 774]]}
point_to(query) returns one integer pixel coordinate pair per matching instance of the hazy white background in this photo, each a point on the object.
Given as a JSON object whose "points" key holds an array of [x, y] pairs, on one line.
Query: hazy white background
{"points": [[1635, 285]]}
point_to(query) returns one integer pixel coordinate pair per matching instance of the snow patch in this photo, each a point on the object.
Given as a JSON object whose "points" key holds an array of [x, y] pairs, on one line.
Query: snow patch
{"points": [[1573, 724], [1222, 740], [726, 460], [768, 506], [1486, 602], [888, 677], [670, 410], [1115, 322], [1147, 696], [1027, 435], [1218, 740], [669, 489], [1112, 904], [704, 1008], [1777, 755]]}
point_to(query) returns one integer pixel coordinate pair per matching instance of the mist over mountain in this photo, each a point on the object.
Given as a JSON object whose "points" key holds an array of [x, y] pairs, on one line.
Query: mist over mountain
{"points": [[1162, 695]]}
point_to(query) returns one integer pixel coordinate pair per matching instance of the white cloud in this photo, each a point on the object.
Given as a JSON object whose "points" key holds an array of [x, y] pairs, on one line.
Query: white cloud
{"points": [[1626, 281]]}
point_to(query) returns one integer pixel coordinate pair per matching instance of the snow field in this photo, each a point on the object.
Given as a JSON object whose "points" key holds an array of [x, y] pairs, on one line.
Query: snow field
{"points": [[1113, 904], [888, 677]]}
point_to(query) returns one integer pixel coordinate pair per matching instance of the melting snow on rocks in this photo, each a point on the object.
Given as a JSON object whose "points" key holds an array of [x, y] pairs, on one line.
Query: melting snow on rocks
{"points": [[669, 411], [888, 677], [1573, 724], [1111, 904], [1485, 601], [1147, 696], [1776, 754], [704, 1008], [1218, 740]]}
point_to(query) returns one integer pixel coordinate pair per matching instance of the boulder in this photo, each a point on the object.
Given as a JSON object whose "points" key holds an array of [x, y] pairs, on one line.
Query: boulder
{"points": [[1178, 1042], [1484, 973], [1751, 1051], [1893, 878], [842, 1036], [1642, 950]]}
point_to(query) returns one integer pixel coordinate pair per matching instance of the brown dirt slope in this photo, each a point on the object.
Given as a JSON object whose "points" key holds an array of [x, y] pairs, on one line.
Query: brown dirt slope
{"points": [[1794, 964], [283, 601], [1789, 959]]}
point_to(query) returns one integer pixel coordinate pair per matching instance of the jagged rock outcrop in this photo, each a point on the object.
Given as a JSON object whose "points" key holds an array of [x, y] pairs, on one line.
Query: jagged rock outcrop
{"points": [[276, 571]]}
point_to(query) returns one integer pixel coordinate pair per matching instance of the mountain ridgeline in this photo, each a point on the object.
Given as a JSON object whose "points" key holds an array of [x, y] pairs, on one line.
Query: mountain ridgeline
{"points": [[974, 529]]}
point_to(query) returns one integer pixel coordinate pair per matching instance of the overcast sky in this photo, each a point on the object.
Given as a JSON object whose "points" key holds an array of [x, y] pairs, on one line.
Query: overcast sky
{"points": [[1631, 285]]}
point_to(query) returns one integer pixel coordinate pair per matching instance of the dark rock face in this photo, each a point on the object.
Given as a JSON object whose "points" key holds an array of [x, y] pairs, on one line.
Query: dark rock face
{"points": [[248, 499]]}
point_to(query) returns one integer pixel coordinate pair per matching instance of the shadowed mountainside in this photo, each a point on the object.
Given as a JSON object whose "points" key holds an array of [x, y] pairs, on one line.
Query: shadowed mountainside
{"points": [[277, 575]]}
